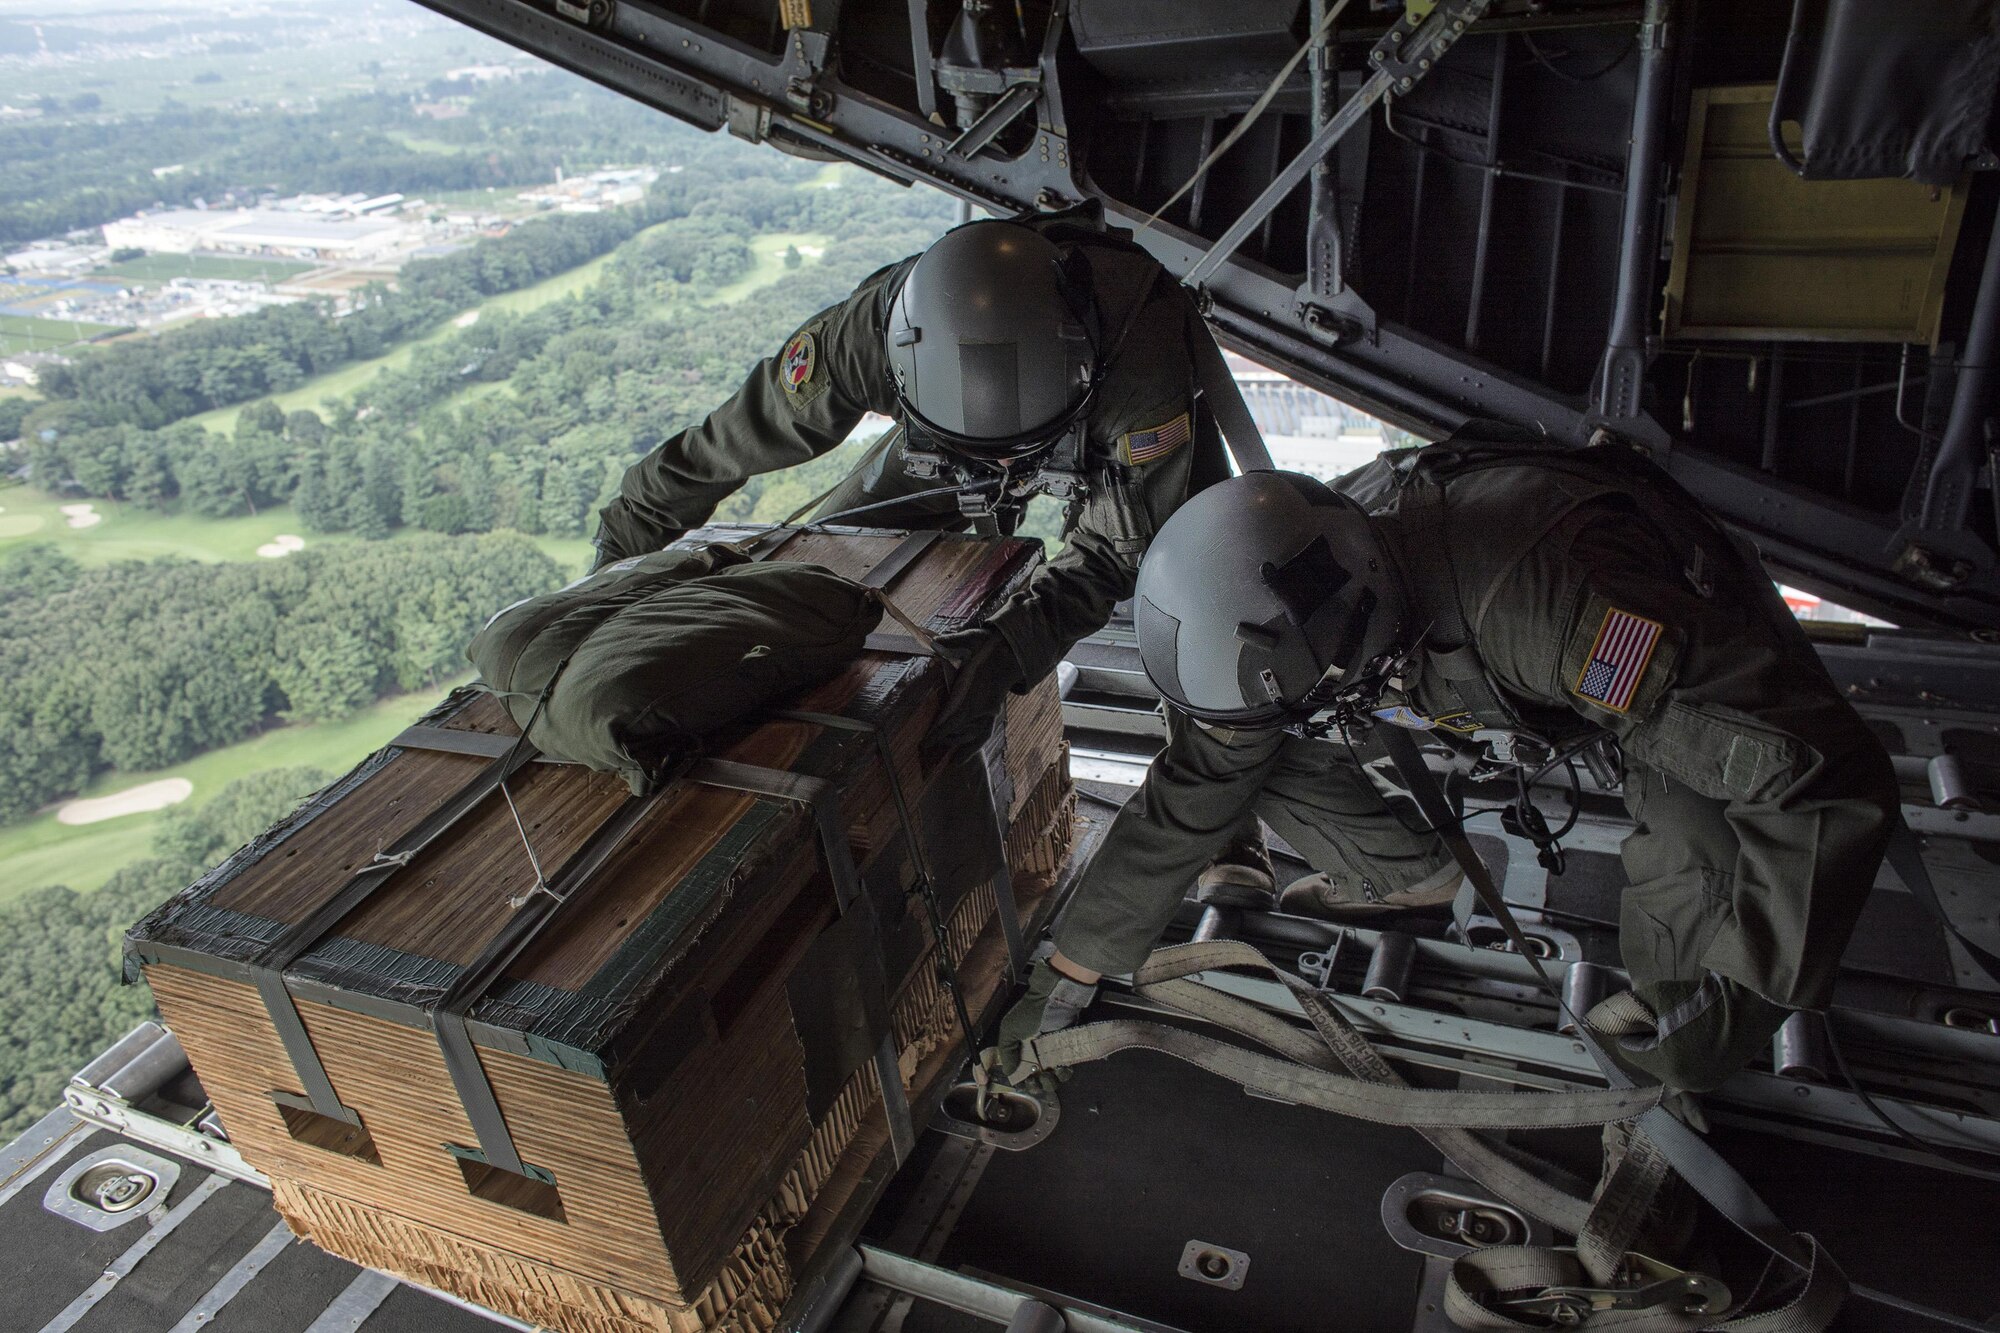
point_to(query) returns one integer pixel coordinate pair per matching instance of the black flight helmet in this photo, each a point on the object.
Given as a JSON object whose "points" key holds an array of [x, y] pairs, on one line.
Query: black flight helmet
{"points": [[992, 342], [1262, 597]]}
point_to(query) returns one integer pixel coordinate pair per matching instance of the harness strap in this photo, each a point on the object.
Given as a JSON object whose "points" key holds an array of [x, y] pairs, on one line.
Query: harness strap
{"points": [[1907, 859], [1224, 398]]}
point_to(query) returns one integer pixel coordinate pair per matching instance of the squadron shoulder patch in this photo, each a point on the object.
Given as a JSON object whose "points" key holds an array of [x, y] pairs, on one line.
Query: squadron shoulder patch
{"points": [[1144, 446], [797, 366], [1617, 660]]}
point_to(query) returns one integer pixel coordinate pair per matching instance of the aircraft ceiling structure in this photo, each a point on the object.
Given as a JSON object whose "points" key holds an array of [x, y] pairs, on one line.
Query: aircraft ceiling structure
{"points": [[1582, 217]]}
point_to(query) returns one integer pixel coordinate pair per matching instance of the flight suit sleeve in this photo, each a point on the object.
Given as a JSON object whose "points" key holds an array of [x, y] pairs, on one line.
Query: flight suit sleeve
{"points": [[1073, 594], [795, 405], [1763, 803]]}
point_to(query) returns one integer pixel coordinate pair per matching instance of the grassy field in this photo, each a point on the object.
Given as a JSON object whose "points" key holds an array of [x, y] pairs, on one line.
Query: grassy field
{"points": [[163, 268], [127, 532], [30, 333], [40, 851], [769, 250]]}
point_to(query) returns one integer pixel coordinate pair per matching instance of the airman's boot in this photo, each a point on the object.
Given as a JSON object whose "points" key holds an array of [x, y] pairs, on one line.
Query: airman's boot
{"points": [[1240, 876], [1344, 899]]}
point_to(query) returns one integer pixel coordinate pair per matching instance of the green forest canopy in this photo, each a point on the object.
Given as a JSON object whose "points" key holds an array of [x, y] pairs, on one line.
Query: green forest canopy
{"points": [[137, 666]]}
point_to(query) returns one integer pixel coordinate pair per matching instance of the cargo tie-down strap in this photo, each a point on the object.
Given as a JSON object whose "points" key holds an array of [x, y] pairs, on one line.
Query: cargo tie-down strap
{"points": [[537, 910], [301, 936], [1485, 1279], [1599, 1282]]}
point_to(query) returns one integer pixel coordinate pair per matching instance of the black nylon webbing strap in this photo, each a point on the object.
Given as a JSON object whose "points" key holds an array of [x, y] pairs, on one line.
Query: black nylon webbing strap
{"points": [[1906, 858], [1225, 401], [820, 798], [907, 552], [1697, 1163], [448, 740], [920, 859], [991, 762], [299, 937], [461, 1060]]}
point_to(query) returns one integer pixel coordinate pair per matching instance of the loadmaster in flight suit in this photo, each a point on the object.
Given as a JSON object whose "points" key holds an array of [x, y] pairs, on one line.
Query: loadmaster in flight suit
{"points": [[1502, 599], [1045, 353], [1041, 353]]}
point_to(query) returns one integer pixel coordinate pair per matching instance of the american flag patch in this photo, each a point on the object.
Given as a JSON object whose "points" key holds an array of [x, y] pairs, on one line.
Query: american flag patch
{"points": [[1618, 659], [1143, 446]]}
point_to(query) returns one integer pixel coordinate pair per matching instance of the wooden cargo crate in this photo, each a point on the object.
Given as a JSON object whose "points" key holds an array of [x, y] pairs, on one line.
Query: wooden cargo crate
{"points": [[604, 1099]]}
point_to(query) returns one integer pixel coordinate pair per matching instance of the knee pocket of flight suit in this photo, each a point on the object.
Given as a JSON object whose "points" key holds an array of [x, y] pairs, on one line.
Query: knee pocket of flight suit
{"points": [[1666, 928], [1678, 898], [1721, 753]]}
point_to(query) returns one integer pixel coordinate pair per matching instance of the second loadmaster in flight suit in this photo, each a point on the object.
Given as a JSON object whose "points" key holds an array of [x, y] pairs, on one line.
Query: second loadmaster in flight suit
{"points": [[1516, 603], [1042, 353]]}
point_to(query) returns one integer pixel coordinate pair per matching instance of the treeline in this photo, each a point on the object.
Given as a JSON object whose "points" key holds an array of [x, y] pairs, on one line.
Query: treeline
{"points": [[220, 362], [139, 666], [60, 999], [589, 383], [55, 176]]}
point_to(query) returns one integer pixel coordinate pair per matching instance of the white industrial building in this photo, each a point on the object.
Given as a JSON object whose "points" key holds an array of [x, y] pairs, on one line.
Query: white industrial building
{"points": [[267, 231]]}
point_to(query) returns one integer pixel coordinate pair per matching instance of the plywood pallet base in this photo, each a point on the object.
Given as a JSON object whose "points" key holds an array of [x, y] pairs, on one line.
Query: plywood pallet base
{"points": [[750, 1292]]}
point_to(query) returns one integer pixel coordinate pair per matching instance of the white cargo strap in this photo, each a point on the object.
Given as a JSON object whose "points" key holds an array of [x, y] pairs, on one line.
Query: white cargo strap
{"points": [[1290, 1080], [1824, 1286]]}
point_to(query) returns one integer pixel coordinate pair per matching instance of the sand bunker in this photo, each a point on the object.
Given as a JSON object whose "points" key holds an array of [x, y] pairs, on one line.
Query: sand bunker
{"points": [[281, 545], [466, 320], [81, 515], [812, 251], [132, 801], [20, 525]]}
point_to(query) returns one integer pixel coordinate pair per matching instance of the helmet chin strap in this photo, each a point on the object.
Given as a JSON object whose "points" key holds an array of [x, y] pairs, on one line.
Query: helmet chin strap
{"points": [[1344, 699], [999, 488]]}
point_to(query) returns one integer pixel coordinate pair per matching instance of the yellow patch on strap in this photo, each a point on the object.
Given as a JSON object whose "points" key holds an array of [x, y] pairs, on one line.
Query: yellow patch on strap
{"points": [[1617, 660], [795, 13], [1143, 446]]}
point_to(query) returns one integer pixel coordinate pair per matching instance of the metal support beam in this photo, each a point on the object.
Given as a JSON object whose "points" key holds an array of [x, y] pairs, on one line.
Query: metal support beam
{"points": [[977, 1297], [1623, 373], [1489, 181], [920, 58], [1948, 489]]}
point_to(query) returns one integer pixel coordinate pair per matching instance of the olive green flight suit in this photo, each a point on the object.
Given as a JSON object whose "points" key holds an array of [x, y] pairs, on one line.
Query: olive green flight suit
{"points": [[1762, 802], [803, 401]]}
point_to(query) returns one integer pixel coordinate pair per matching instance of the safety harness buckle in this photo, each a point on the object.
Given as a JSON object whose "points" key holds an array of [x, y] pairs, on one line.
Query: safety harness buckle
{"points": [[1641, 1284]]}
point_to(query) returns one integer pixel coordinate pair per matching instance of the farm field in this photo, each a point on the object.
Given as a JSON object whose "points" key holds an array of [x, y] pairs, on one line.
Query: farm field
{"points": [[30, 333], [166, 267]]}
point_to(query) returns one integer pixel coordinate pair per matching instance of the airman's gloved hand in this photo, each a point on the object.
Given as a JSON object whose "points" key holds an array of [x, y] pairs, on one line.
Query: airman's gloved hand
{"points": [[986, 672], [1053, 1002]]}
